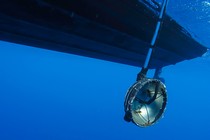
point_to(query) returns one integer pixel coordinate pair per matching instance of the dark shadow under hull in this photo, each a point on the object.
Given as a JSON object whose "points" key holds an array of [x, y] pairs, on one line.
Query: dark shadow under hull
{"points": [[114, 30]]}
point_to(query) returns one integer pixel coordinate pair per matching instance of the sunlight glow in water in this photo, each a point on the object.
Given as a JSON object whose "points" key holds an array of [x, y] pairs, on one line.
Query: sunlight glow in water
{"points": [[206, 3]]}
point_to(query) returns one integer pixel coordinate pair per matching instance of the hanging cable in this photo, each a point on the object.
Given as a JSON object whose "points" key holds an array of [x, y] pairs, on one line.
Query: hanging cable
{"points": [[153, 41]]}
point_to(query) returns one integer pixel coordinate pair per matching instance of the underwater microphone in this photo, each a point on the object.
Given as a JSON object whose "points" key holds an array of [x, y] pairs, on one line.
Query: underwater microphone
{"points": [[145, 101]]}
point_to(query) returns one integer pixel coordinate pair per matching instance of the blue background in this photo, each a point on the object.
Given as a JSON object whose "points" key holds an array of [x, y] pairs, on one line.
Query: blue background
{"points": [[51, 95]]}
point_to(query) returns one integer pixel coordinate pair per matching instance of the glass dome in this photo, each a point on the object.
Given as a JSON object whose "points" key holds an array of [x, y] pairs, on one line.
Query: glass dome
{"points": [[145, 102]]}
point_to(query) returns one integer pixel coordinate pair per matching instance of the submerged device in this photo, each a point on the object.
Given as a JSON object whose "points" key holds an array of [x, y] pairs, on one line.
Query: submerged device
{"points": [[145, 102], [146, 99]]}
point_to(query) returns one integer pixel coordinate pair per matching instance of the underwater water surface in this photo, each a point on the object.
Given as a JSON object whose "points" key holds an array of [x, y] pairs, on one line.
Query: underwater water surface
{"points": [[51, 95]]}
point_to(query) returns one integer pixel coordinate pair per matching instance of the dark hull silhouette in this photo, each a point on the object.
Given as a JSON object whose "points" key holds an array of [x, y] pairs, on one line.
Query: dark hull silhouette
{"points": [[114, 30]]}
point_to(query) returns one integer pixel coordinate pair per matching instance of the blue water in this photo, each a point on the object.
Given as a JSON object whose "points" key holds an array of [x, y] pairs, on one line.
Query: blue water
{"points": [[56, 96]]}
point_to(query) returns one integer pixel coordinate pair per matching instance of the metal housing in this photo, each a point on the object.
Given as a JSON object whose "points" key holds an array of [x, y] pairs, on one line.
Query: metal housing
{"points": [[145, 102]]}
